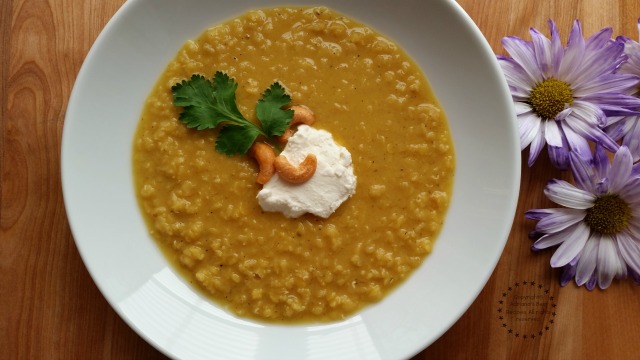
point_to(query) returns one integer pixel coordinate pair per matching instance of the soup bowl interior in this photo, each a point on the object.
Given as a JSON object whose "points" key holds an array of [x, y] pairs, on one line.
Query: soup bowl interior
{"points": [[155, 300]]}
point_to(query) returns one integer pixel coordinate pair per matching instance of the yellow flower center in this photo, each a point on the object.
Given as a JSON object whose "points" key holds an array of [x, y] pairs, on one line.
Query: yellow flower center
{"points": [[549, 98], [609, 214]]}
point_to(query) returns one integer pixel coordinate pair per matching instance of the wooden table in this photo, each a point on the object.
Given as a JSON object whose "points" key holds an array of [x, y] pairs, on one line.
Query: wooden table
{"points": [[50, 307]]}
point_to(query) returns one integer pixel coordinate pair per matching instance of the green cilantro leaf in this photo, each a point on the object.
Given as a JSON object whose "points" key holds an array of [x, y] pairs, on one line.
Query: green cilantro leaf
{"points": [[234, 139], [273, 118], [224, 95], [209, 103], [195, 96]]}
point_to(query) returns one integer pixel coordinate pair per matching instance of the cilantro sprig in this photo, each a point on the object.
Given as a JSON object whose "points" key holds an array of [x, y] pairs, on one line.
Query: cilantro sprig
{"points": [[209, 103]]}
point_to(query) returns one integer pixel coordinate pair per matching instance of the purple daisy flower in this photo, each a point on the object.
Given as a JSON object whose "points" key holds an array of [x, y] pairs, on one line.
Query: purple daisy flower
{"points": [[562, 95], [598, 229], [627, 128]]}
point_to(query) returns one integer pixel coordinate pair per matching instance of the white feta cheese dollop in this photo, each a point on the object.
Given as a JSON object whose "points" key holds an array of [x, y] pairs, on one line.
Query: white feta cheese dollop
{"points": [[332, 183]]}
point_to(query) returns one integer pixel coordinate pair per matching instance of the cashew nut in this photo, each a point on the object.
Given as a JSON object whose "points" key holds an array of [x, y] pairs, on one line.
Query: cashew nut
{"points": [[265, 156], [296, 174], [301, 115]]}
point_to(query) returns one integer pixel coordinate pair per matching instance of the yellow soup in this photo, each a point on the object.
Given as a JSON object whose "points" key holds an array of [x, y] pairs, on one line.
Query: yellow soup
{"points": [[201, 207]]}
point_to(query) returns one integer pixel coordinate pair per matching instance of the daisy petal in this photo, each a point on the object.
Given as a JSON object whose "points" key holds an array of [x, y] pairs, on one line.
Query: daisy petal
{"points": [[552, 133], [631, 192], [559, 157], [536, 146], [615, 110], [623, 39], [550, 240], [630, 251], [591, 132], [611, 83], [556, 46], [561, 219], [616, 104], [620, 169], [588, 260], [588, 113], [573, 54], [615, 130], [634, 225], [601, 162], [577, 143], [571, 246], [542, 51], [607, 261], [597, 63], [627, 125], [583, 173], [538, 214], [517, 78], [522, 108], [563, 114], [599, 39], [534, 235], [565, 194], [635, 172], [632, 138], [612, 99], [568, 273], [529, 127], [522, 52], [554, 239], [621, 273]]}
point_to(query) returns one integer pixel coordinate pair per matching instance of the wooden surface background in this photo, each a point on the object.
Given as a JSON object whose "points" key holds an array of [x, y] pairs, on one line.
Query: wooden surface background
{"points": [[50, 308]]}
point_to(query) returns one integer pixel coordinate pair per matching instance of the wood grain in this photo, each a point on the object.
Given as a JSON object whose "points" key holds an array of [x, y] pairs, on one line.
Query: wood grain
{"points": [[50, 307]]}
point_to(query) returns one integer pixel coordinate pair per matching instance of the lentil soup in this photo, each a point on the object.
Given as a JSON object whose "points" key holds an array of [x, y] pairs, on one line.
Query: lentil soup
{"points": [[201, 206]]}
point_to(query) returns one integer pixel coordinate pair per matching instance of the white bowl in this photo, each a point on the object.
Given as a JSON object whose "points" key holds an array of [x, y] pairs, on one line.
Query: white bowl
{"points": [[153, 299]]}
